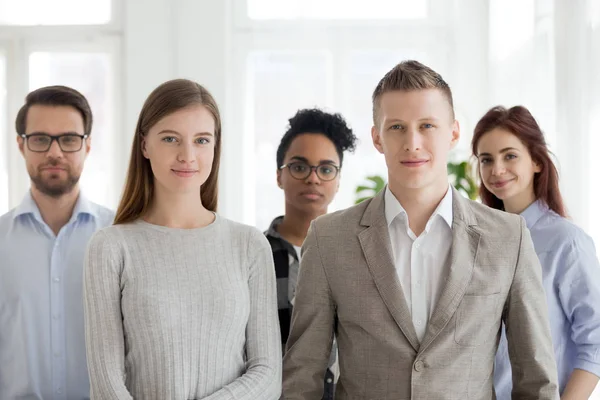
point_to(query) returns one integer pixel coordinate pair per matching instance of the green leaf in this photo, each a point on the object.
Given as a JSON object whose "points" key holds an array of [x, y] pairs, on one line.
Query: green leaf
{"points": [[363, 188]]}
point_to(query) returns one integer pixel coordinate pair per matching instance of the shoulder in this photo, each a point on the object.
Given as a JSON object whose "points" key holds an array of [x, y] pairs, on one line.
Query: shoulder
{"points": [[243, 233], [104, 215], [111, 235], [6, 220], [560, 230], [341, 221], [495, 223]]}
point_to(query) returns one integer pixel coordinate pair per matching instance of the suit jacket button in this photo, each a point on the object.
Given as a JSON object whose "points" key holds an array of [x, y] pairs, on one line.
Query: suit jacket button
{"points": [[419, 365]]}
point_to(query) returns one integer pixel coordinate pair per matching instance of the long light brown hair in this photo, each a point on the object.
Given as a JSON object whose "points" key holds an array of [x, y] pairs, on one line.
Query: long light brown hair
{"points": [[166, 99]]}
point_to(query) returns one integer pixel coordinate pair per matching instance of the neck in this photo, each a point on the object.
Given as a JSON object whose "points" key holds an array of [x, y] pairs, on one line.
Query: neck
{"points": [[518, 204], [176, 210], [420, 203], [55, 211], [295, 224]]}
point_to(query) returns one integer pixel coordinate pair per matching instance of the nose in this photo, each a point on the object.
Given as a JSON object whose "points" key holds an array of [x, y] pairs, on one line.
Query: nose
{"points": [[54, 151], [313, 177], [413, 140], [498, 168], [186, 153]]}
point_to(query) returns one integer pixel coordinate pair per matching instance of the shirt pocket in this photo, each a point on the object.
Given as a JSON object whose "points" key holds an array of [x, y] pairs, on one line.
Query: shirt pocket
{"points": [[477, 319]]}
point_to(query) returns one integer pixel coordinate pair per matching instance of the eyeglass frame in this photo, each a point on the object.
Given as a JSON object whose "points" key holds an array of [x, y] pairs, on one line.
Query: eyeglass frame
{"points": [[312, 168], [53, 138]]}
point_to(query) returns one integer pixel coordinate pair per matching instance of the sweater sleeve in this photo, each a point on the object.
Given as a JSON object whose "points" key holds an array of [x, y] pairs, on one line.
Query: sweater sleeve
{"points": [[262, 379], [103, 319]]}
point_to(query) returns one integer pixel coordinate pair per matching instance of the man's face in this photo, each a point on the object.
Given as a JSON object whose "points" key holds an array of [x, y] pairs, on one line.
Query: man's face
{"points": [[415, 131], [54, 172]]}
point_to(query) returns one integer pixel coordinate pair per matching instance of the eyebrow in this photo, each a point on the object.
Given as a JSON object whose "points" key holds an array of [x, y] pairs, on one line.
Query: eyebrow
{"points": [[170, 131], [504, 150], [396, 120], [304, 159]]}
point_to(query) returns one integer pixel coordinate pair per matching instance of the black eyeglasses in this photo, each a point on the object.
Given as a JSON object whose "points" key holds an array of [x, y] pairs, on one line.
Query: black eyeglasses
{"points": [[301, 170], [41, 142]]}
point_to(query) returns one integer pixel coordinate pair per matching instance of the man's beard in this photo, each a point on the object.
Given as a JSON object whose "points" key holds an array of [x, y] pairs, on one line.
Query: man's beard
{"points": [[54, 186]]}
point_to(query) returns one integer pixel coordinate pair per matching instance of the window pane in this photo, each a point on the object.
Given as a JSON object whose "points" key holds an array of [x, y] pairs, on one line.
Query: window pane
{"points": [[90, 74], [55, 12], [522, 60], [337, 9], [3, 138], [279, 85]]}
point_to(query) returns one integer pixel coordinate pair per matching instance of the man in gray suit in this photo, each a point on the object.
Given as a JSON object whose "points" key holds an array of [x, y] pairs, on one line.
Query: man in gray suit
{"points": [[416, 282]]}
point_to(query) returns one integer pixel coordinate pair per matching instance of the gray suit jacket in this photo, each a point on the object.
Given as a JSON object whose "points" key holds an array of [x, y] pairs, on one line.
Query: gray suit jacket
{"points": [[348, 286]]}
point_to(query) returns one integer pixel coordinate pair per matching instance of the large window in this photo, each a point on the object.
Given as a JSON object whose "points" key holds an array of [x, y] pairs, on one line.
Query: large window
{"points": [[84, 57], [282, 67]]}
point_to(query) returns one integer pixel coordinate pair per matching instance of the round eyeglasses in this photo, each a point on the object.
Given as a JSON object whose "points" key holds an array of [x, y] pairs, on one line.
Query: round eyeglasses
{"points": [[41, 142], [301, 170]]}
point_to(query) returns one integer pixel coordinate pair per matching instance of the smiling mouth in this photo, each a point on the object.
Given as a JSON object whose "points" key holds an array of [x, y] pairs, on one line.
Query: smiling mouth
{"points": [[502, 183], [414, 163], [184, 173]]}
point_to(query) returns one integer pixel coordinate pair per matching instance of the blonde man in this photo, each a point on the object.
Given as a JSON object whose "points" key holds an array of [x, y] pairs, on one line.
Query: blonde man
{"points": [[416, 282]]}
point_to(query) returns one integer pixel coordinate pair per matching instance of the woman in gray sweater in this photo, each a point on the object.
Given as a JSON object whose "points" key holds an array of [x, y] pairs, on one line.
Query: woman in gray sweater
{"points": [[180, 303]]}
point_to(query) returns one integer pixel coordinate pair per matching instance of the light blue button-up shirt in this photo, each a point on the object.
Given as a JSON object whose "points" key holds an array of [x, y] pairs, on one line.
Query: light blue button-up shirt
{"points": [[42, 341], [571, 274]]}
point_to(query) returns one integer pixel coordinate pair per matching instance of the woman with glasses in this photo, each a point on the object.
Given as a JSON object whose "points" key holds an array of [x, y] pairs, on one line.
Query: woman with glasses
{"points": [[180, 303], [309, 159]]}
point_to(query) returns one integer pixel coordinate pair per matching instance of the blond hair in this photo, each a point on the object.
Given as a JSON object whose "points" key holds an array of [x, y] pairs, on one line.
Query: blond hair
{"points": [[408, 76]]}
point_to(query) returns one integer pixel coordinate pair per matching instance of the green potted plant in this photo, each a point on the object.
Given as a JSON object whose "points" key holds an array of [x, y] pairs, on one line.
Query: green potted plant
{"points": [[460, 175]]}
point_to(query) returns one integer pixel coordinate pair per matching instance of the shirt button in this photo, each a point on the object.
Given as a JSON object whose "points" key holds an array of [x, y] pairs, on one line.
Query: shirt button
{"points": [[419, 365], [329, 380], [56, 279], [419, 322]]}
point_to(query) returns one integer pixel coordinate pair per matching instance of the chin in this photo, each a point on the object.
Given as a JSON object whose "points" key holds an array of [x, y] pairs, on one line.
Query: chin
{"points": [[312, 208], [501, 194]]}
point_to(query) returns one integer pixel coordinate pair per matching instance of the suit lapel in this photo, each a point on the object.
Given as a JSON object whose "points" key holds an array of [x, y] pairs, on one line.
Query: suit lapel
{"points": [[375, 243], [465, 242]]}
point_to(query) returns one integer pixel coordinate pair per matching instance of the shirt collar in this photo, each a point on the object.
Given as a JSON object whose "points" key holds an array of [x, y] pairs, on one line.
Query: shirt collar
{"points": [[534, 212], [29, 206], [272, 231], [393, 208]]}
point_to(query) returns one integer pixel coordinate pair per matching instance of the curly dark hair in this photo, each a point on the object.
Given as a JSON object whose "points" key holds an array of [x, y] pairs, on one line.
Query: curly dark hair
{"points": [[313, 120]]}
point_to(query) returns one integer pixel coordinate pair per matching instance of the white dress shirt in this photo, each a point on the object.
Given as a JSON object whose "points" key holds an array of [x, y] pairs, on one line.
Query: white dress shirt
{"points": [[421, 261]]}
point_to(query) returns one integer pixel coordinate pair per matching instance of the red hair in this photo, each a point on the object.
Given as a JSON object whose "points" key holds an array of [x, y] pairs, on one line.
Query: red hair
{"points": [[519, 121]]}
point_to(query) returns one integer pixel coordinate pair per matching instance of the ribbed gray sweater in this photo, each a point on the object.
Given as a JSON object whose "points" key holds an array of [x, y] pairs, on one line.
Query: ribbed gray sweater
{"points": [[181, 313]]}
